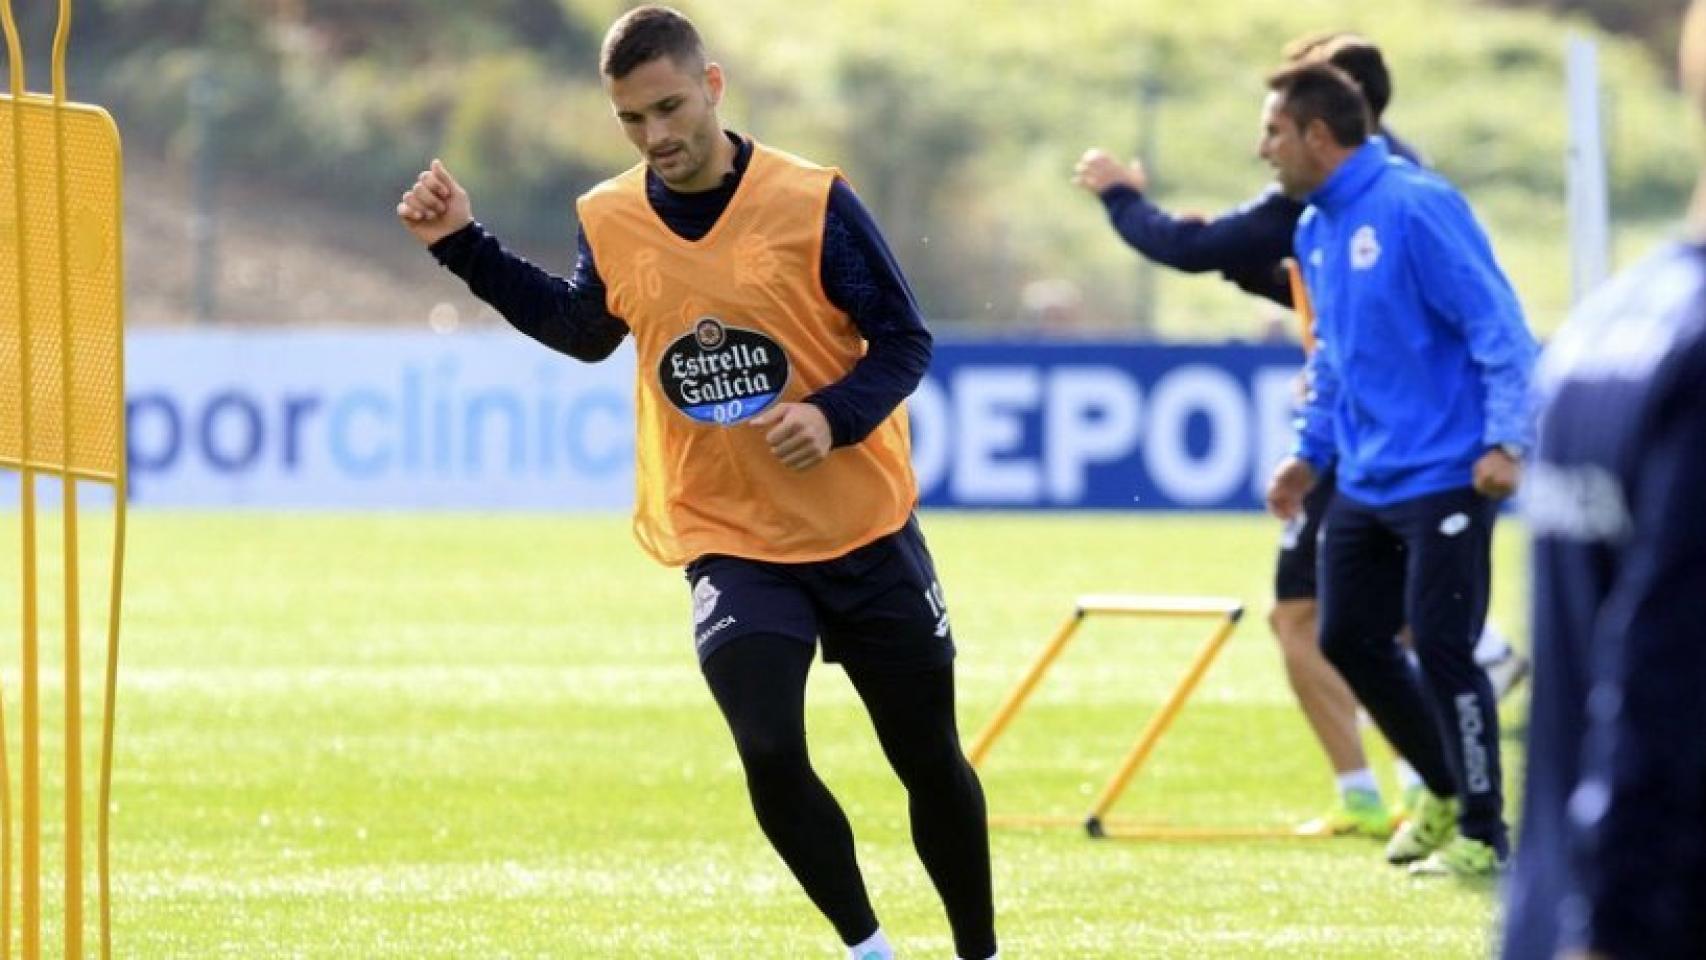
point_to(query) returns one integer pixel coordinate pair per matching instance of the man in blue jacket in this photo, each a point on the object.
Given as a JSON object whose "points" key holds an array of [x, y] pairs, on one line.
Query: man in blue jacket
{"points": [[1248, 246], [1612, 861], [1418, 391]]}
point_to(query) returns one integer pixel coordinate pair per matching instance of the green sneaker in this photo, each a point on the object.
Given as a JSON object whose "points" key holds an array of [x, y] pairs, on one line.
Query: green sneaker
{"points": [[1431, 825], [1462, 857], [1410, 799], [1358, 813]]}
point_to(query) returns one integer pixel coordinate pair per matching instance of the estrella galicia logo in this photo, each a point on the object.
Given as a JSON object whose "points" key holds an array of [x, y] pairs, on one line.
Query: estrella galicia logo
{"points": [[721, 374], [709, 332]]}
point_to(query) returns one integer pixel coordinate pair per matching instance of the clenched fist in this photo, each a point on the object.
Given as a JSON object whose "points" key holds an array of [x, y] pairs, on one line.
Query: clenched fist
{"points": [[436, 206], [1291, 482], [1497, 474], [798, 434], [1097, 172]]}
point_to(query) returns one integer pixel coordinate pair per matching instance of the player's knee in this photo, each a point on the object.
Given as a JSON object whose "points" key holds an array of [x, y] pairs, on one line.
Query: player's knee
{"points": [[1450, 658], [1337, 644], [931, 762], [1293, 624], [1300, 656], [769, 756]]}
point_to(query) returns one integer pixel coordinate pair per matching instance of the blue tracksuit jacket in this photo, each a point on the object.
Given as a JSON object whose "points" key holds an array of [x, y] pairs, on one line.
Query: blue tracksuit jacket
{"points": [[1424, 358]]}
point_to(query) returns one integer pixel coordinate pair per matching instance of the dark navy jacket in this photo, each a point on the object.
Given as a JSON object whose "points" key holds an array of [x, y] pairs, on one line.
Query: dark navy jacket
{"points": [[1612, 855], [1245, 245], [859, 276]]}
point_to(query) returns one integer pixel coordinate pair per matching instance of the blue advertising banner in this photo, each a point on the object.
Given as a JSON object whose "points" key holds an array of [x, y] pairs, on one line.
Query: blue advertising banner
{"points": [[379, 419], [376, 420], [1102, 425]]}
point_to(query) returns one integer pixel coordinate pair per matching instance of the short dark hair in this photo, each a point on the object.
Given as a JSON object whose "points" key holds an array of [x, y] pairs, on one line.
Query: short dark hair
{"points": [[648, 33], [1320, 91], [1353, 53], [1360, 58]]}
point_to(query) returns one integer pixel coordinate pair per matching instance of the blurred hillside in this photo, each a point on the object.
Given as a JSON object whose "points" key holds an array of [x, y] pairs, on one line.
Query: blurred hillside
{"points": [[1656, 23], [297, 122]]}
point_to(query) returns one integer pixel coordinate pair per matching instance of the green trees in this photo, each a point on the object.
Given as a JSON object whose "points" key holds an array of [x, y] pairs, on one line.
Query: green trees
{"points": [[958, 122]]}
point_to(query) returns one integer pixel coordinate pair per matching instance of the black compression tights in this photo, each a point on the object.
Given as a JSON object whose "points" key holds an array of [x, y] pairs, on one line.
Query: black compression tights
{"points": [[759, 683]]}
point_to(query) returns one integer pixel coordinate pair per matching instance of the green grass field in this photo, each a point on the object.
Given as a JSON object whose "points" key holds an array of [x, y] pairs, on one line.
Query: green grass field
{"points": [[477, 736]]}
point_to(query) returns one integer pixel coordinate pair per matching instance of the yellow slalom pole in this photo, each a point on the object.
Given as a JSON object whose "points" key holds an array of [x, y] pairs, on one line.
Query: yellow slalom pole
{"points": [[1016, 697], [110, 708], [121, 505], [15, 61], [1159, 723], [73, 663], [29, 880], [1117, 831]]}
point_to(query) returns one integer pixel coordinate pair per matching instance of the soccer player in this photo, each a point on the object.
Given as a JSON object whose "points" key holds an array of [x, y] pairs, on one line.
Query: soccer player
{"points": [[776, 341], [1612, 854], [1249, 246], [1418, 391]]}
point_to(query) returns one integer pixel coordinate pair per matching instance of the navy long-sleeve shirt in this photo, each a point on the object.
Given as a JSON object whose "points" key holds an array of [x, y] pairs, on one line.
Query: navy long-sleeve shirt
{"points": [[1246, 245], [859, 274], [1612, 856]]}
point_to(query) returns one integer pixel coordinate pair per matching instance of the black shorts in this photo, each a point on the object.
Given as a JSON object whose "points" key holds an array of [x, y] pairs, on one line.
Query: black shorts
{"points": [[1294, 574], [879, 606]]}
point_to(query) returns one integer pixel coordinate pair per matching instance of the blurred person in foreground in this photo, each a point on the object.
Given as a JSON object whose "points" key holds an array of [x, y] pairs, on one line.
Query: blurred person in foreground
{"points": [[776, 342], [1250, 246], [1612, 854], [1418, 391]]}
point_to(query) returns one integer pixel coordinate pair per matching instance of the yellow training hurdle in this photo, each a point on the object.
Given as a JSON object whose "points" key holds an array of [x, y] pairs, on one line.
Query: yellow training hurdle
{"points": [[1225, 613], [61, 414]]}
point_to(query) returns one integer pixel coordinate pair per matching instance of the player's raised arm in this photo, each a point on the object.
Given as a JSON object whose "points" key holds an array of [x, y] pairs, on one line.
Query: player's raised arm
{"points": [[566, 314]]}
